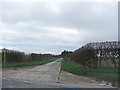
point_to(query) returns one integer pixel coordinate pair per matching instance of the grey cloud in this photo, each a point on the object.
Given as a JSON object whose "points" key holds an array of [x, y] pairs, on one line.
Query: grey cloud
{"points": [[72, 15], [93, 21]]}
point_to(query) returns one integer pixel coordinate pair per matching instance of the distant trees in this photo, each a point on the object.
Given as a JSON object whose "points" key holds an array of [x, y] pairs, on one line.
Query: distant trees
{"points": [[48, 56], [35, 57], [12, 56], [65, 54]]}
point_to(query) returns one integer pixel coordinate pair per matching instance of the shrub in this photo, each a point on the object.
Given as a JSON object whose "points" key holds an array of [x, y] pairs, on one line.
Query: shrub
{"points": [[13, 56], [85, 57]]}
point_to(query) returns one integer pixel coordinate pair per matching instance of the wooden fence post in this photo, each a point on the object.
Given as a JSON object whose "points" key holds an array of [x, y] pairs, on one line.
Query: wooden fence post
{"points": [[4, 55]]}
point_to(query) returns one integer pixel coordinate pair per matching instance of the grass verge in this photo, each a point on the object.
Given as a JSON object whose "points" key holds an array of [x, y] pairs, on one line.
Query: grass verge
{"points": [[32, 63], [100, 74]]}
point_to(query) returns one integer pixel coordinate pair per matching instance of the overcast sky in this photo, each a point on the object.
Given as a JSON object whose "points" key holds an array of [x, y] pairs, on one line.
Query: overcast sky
{"points": [[54, 27]]}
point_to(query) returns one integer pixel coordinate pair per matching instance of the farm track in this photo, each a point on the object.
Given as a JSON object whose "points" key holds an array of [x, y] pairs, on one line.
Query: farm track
{"points": [[48, 73]]}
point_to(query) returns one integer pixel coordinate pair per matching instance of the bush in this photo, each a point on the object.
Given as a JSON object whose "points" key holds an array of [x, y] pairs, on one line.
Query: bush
{"points": [[85, 57], [13, 56]]}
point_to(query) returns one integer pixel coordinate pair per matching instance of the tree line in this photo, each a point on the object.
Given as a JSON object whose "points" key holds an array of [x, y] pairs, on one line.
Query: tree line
{"points": [[94, 55], [90, 55], [13, 56]]}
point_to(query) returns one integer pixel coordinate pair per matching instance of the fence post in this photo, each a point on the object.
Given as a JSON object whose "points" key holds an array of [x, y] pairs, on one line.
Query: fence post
{"points": [[4, 55]]}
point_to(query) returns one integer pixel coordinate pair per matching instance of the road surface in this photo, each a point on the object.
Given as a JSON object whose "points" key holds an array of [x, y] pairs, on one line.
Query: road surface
{"points": [[11, 83], [46, 76]]}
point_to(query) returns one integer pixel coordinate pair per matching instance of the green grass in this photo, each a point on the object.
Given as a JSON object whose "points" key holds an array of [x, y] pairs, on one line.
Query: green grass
{"points": [[75, 69], [31, 63], [108, 75], [70, 67]]}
